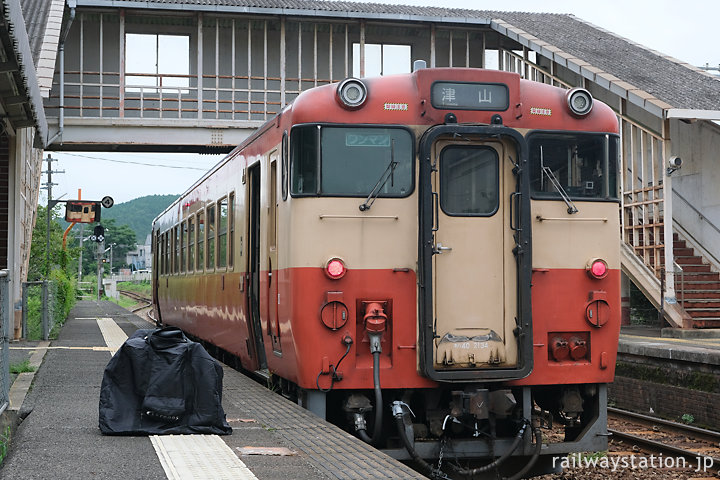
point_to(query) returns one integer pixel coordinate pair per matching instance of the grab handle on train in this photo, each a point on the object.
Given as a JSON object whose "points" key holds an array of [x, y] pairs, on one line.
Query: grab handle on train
{"points": [[514, 209]]}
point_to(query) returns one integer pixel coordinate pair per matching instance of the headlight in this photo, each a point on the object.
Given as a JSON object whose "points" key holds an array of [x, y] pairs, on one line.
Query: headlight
{"points": [[580, 101], [351, 93]]}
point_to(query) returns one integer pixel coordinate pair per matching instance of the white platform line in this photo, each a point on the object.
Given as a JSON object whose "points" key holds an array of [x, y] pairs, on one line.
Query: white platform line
{"points": [[202, 457], [113, 335]]}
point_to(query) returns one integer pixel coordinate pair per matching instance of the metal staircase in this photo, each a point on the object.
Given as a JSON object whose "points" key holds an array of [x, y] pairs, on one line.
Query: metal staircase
{"points": [[697, 286]]}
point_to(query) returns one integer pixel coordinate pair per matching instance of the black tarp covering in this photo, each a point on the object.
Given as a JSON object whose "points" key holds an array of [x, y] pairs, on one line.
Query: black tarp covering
{"points": [[159, 382]]}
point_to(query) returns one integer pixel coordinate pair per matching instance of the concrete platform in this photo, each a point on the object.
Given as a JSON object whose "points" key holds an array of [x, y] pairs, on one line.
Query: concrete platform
{"points": [[272, 438], [652, 342]]}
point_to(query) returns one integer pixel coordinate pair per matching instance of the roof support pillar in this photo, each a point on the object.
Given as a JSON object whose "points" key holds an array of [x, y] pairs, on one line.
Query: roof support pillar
{"points": [[199, 66], [121, 95], [668, 213]]}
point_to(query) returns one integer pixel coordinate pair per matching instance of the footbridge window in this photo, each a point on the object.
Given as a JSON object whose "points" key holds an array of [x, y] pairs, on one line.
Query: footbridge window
{"points": [[382, 59], [157, 63]]}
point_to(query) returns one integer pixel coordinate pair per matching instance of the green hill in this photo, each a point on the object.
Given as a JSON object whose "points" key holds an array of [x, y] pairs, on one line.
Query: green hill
{"points": [[139, 213]]}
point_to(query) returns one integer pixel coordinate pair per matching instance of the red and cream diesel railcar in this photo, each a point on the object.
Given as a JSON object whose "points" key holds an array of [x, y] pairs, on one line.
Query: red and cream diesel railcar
{"points": [[444, 243]]}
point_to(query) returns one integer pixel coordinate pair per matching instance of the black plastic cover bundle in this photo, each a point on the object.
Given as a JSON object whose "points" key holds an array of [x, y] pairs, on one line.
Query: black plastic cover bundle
{"points": [[159, 382]]}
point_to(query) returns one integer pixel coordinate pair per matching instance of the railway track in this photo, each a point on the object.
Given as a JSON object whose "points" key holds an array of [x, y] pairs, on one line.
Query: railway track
{"points": [[137, 296], [672, 439]]}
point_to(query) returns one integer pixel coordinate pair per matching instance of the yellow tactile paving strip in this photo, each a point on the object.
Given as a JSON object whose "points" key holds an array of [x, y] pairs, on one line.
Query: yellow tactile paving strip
{"points": [[113, 335], [186, 457]]}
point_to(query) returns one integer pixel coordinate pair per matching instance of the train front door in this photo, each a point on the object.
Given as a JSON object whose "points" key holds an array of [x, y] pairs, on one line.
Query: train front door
{"points": [[254, 262], [474, 269]]}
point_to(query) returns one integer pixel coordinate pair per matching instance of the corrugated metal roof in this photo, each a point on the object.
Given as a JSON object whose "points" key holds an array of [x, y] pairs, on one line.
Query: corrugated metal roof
{"points": [[36, 14], [29, 110], [675, 83]]}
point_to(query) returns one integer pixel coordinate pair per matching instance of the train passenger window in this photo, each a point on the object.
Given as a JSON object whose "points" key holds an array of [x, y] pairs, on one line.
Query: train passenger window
{"points": [[584, 165], [191, 244], [200, 261], [168, 252], [231, 228], [183, 245], [469, 180], [161, 253], [353, 161], [210, 244], [176, 249], [222, 206]]}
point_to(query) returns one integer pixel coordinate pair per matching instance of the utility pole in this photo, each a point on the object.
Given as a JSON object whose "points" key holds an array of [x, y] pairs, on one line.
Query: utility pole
{"points": [[82, 228], [50, 205], [100, 255]]}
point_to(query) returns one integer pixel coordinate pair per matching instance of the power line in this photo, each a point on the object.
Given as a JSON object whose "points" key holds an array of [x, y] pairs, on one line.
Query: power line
{"points": [[137, 163]]}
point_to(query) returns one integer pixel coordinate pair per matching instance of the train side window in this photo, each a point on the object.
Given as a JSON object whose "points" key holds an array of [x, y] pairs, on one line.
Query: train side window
{"points": [[285, 165], [210, 243], [161, 253], [167, 253], [176, 249], [183, 245], [200, 261], [222, 207], [191, 243], [231, 228], [304, 152], [469, 181], [583, 165]]}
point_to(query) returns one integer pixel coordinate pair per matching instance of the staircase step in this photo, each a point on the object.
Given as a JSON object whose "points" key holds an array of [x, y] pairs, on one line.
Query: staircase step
{"points": [[683, 252], [701, 285], [688, 260], [680, 244], [704, 312], [699, 294], [701, 276], [706, 322], [704, 304], [696, 268]]}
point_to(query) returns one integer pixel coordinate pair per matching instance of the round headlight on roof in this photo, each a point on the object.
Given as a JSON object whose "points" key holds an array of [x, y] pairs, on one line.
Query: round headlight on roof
{"points": [[351, 93], [579, 101]]}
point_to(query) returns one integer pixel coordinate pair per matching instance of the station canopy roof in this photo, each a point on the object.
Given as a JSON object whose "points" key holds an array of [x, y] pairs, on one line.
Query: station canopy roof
{"points": [[663, 85]]}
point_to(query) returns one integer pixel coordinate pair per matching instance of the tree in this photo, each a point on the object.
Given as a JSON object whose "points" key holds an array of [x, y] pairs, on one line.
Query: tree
{"points": [[121, 235], [38, 249]]}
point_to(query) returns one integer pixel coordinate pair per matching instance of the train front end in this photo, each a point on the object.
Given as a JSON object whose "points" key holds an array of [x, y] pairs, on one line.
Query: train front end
{"points": [[452, 273]]}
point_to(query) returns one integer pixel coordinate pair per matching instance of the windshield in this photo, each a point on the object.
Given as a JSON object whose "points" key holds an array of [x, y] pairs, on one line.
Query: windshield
{"points": [[584, 165], [351, 161]]}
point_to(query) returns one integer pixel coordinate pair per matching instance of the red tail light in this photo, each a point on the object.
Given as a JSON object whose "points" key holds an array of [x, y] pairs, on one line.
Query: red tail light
{"points": [[335, 268], [597, 268]]}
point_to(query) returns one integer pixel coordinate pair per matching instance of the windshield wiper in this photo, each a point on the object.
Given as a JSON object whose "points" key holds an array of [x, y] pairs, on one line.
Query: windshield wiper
{"points": [[571, 208], [386, 175]]}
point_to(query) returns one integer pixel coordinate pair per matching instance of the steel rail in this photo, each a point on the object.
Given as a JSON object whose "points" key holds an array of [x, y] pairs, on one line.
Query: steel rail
{"points": [[661, 447], [136, 296], [709, 435], [664, 448]]}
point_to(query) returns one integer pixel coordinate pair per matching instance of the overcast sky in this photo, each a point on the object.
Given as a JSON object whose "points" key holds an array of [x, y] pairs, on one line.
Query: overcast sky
{"points": [[682, 29]]}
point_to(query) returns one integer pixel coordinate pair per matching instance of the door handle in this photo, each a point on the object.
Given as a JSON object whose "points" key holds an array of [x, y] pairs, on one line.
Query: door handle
{"points": [[439, 248]]}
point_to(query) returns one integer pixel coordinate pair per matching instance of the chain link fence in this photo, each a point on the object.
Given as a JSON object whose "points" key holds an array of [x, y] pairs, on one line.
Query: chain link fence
{"points": [[5, 330], [40, 312]]}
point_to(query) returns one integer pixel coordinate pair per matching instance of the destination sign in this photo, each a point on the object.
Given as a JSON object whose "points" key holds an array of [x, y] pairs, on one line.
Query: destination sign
{"points": [[470, 96], [367, 140]]}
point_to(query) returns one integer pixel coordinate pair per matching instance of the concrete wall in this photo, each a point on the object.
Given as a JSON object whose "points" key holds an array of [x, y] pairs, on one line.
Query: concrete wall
{"points": [[698, 144]]}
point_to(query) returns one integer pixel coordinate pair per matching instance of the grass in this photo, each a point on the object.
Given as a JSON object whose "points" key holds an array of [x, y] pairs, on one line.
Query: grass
{"points": [[140, 287], [124, 302], [22, 367], [4, 443]]}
